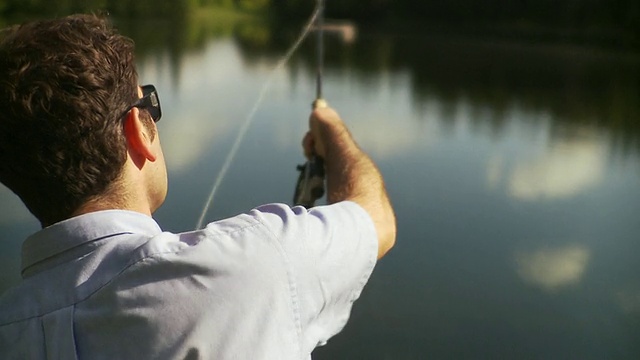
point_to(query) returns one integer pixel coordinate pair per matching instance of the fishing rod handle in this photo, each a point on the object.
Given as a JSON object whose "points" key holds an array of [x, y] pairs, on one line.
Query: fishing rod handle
{"points": [[310, 185]]}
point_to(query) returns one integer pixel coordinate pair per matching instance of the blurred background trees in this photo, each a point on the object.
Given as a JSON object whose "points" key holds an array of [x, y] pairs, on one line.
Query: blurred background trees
{"points": [[602, 21], [617, 13]]}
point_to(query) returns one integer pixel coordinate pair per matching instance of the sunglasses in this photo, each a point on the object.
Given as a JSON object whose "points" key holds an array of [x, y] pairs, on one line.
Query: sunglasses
{"points": [[149, 102]]}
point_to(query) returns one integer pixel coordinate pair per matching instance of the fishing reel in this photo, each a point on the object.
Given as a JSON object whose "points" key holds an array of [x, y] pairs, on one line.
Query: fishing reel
{"points": [[310, 185]]}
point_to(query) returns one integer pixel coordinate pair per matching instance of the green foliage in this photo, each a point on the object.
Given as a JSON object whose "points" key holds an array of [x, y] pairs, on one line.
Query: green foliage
{"points": [[593, 17], [580, 14], [253, 5], [56, 7], [149, 8], [567, 13]]}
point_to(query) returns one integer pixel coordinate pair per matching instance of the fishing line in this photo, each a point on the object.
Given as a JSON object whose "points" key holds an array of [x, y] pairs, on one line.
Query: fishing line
{"points": [[249, 119]]}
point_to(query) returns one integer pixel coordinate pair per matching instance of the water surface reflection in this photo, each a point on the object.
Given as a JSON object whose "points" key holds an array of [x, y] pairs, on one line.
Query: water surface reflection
{"points": [[514, 169]]}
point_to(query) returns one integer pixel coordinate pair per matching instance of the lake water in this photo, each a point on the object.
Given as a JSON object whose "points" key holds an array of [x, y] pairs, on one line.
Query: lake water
{"points": [[514, 170]]}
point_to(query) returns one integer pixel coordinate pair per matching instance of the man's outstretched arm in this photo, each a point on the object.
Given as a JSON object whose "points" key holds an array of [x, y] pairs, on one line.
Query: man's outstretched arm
{"points": [[351, 175]]}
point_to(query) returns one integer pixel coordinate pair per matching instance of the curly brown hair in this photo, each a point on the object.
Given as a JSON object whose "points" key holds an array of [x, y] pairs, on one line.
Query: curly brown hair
{"points": [[64, 85]]}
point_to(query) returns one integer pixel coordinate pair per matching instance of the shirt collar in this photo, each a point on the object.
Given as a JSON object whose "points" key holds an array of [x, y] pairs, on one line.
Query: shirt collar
{"points": [[83, 229]]}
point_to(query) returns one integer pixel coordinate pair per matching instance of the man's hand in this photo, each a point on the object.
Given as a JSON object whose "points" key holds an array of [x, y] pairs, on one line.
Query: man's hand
{"points": [[350, 173], [321, 121]]}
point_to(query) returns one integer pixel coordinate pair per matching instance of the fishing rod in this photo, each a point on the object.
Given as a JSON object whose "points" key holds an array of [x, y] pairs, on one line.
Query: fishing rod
{"points": [[310, 184], [251, 115]]}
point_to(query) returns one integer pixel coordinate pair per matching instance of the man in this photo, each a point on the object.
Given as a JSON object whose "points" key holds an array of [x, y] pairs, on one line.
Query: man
{"points": [[79, 145]]}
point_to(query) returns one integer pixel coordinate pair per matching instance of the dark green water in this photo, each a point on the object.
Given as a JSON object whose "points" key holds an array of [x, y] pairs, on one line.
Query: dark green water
{"points": [[514, 169]]}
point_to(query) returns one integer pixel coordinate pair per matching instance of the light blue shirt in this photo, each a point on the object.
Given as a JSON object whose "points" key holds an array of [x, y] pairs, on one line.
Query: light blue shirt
{"points": [[270, 284]]}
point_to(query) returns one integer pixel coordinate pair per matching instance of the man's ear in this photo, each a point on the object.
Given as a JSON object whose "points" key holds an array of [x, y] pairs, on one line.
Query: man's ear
{"points": [[138, 140]]}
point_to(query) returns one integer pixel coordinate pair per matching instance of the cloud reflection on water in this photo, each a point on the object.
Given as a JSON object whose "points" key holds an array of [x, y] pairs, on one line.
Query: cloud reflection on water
{"points": [[207, 104], [629, 300], [564, 168], [568, 168], [553, 268], [216, 90]]}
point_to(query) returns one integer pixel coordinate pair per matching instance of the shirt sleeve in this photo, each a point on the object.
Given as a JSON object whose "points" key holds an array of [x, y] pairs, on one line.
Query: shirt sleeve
{"points": [[331, 251]]}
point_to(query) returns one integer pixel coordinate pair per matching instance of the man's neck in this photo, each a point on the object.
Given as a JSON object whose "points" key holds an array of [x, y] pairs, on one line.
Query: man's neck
{"points": [[118, 197]]}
